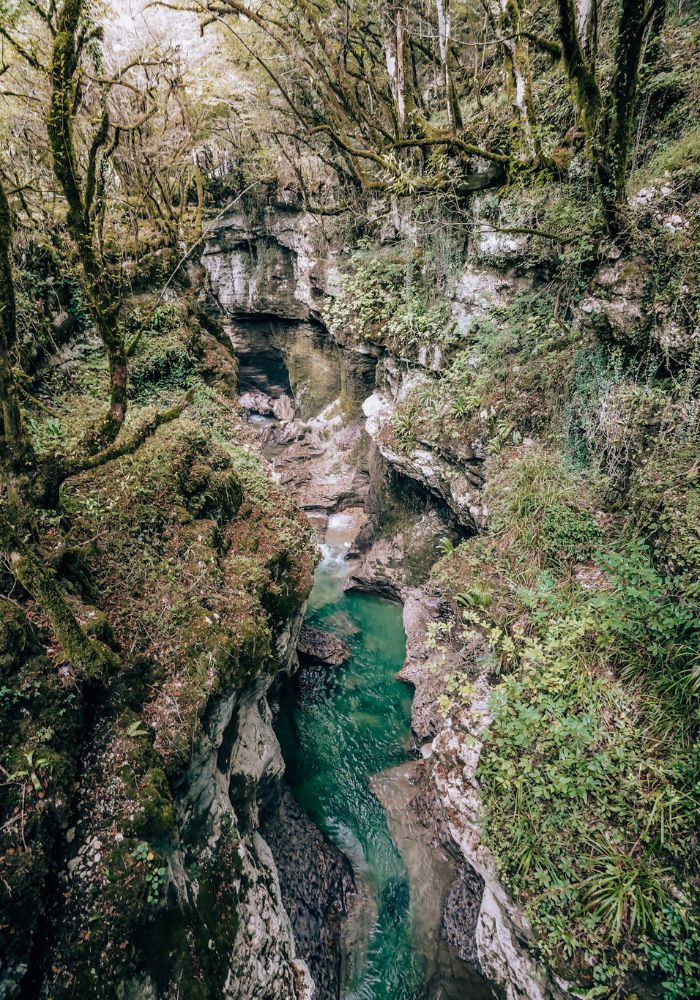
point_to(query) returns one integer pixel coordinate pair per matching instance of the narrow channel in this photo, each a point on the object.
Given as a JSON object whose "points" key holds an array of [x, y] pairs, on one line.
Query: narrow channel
{"points": [[333, 740], [345, 732]]}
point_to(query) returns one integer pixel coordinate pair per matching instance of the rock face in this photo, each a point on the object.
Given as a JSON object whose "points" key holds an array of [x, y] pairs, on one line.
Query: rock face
{"points": [[400, 559], [457, 485], [315, 879], [230, 789], [276, 261], [480, 919], [460, 916], [319, 461], [318, 648]]}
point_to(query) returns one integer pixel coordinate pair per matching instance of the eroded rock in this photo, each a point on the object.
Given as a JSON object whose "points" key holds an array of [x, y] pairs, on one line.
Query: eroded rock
{"points": [[318, 648]]}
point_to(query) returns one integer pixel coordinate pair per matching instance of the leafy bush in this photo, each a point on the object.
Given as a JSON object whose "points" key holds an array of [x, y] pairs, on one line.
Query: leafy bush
{"points": [[587, 811], [651, 628], [382, 300], [167, 354]]}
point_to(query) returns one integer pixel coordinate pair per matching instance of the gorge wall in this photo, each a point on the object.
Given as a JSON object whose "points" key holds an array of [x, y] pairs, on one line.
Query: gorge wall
{"points": [[280, 266], [517, 423]]}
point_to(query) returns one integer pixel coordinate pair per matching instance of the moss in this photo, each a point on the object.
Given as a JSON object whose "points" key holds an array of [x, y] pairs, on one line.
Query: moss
{"points": [[216, 922], [15, 637], [155, 819], [190, 561], [41, 714]]}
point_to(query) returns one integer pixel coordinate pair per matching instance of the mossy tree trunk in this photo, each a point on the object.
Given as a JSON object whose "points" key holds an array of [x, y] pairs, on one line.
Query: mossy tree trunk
{"points": [[506, 18], [607, 119], [15, 446], [635, 18], [80, 195], [91, 658]]}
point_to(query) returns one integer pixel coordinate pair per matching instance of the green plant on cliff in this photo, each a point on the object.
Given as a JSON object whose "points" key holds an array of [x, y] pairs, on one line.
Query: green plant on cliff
{"points": [[382, 299], [590, 796], [589, 772]]}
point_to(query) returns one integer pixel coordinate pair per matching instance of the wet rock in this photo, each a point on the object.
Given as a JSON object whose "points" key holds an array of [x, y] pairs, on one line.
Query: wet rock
{"points": [[393, 565], [460, 915], [256, 402], [320, 463], [316, 647], [315, 880]]}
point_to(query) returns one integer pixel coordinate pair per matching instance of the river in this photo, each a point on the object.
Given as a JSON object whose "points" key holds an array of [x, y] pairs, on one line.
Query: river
{"points": [[333, 741]]}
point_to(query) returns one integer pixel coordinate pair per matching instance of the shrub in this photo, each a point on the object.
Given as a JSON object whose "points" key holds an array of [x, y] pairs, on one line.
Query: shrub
{"points": [[382, 300], [536, 506]]}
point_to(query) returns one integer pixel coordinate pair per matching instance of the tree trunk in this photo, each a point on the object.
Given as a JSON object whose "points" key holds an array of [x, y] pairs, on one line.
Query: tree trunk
{"points": [[396, 55], [587, 28], [444, 16], [617, 121], [91, 658], [505, 16], [15, 446], [580, 70], [60, 124]]}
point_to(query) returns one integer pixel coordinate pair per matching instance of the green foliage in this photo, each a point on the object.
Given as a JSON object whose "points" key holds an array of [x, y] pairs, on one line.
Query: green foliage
{"points": [[458, 688], [590, 771], [679, 155], [586, 810], [535, 501], [154, 874], [403, 424], [651, 626], [382, 300], [168, 352], [47, 434], [446, 546]]}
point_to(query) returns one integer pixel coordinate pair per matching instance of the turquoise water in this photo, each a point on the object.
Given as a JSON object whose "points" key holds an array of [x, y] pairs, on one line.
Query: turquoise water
{"points": [[333, 737]]}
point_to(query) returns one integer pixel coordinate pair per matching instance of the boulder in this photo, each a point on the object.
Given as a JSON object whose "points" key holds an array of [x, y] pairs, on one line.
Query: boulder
{"points": [[256, 402], [319, 648], [283, 408]]}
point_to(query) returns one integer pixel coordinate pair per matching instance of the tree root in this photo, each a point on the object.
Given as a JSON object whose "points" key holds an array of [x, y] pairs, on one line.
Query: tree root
{"points": [[149, 427]]}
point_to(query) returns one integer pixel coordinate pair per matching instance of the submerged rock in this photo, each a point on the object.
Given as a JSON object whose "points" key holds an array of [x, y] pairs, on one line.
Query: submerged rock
{"points": [[319, 648]]}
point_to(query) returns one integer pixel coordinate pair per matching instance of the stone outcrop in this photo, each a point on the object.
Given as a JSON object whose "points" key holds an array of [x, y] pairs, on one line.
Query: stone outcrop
{"points": [[457, 485], [276, 261], [229, 792], [319, 461], [398, 560], [315, 881], [319, 648]]}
